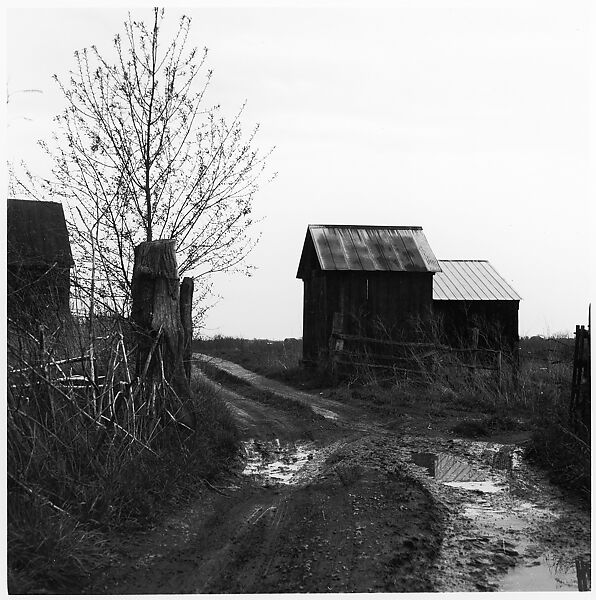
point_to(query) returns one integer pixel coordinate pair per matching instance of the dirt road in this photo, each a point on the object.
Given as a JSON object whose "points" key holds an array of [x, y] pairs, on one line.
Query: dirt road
{"points": [[336, 502]]}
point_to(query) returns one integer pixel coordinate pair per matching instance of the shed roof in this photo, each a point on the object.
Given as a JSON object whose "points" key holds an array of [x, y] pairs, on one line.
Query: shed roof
{"points": [[367, 248], [37, 234], [470, 280]]}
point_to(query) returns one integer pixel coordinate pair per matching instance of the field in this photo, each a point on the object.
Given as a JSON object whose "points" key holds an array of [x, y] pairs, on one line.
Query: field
{"points": [[539, 404]]}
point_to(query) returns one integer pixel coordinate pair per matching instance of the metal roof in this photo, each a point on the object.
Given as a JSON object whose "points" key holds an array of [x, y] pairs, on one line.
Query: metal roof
{"points": [[37, 234], [470, 280], [370, 248]]}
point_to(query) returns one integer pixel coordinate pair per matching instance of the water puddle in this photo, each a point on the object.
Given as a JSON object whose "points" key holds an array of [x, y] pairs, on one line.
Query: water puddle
{"points": [[548, 573], [488, 519], [454, 472], [328, 414], [504, 528], [274, 463]]}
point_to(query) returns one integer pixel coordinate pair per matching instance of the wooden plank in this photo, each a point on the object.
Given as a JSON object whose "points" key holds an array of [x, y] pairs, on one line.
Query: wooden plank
{"points": [[359, 338], [375, 366], [375, 356]]}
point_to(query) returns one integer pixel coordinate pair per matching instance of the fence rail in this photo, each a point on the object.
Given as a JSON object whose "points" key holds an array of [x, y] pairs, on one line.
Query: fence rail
{"points": [[414, 358]]}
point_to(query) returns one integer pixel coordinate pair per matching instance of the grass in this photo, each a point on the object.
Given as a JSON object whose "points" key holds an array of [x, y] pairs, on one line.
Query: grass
{"points": [[564, 455], [80, 468]]}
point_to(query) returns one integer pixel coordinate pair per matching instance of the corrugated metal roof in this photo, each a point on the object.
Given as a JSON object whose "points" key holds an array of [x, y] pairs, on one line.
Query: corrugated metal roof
{"points": [[470, 280], [371, 248], [37, 234]]}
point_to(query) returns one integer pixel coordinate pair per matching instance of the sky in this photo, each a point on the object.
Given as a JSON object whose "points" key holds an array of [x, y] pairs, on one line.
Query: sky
{"points": [[470, 119]]}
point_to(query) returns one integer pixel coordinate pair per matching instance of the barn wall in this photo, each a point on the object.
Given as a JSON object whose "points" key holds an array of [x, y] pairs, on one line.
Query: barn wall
{"points": [[38, 293], [497, 321], [314, 317], [373, 304]]}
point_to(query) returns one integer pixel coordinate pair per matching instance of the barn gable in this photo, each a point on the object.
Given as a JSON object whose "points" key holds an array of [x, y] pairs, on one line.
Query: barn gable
{"points": [[37, 234], [364, 281], [39, 259]]}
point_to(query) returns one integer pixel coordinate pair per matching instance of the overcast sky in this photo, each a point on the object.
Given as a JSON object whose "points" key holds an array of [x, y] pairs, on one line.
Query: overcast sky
{"points": [[469, 119]]}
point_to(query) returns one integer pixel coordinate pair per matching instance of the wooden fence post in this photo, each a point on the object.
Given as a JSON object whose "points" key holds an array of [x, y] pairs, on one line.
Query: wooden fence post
{"points": [[186, 292], [335, 346], [582, 569], [156, 321]]}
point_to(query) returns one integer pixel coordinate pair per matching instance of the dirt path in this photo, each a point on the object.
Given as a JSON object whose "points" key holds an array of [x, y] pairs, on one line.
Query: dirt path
{"points": [[325, 407], [345, 505]]}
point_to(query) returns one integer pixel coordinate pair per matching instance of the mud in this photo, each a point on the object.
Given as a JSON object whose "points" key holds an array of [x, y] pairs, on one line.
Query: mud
{"points": [[272, 463], [355, 507], [517, 532]]}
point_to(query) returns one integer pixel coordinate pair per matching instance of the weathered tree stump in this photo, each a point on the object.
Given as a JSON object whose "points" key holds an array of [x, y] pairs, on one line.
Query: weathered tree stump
{"points": [[157, 325], [186, 292]]}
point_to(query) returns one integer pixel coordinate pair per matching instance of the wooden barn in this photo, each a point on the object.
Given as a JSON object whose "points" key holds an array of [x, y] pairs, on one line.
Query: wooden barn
{"points": [[39, 260], [373, 281], [475, 305]]}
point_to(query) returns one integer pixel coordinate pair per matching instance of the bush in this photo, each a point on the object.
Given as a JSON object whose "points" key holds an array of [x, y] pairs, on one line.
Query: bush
{"points": [[564, 455]]}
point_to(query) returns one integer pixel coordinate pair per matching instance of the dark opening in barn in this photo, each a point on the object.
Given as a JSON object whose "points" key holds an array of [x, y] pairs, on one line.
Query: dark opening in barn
{"points": [[38, 261], [369, 281]]}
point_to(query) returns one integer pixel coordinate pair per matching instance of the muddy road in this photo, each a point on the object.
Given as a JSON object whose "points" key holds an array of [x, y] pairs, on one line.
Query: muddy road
{"points": [[332, 500]]}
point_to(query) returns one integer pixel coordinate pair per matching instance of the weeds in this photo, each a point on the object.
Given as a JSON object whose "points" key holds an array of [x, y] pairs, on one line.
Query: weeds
{"points": [[87, 453]]}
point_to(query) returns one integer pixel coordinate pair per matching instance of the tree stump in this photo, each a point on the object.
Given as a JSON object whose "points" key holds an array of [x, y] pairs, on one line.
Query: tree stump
{"points": [[157, 325], [186, 291]]}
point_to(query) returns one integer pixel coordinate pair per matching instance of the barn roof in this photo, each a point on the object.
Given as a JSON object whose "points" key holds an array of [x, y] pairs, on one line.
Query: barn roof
{"points": [[470, 280], [37, 234], [367, 248]]}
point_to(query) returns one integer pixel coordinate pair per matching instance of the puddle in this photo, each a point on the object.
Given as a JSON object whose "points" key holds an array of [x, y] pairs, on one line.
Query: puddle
{"points": [[328, 414], [488, 518], [276, 463], [454, 472], [547, 573], [488, 487], [510, 527]]}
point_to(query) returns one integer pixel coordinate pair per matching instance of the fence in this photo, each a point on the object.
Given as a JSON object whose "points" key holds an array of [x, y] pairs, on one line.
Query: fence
{"points": [[579, 406], [80, 377], [349, 352]]}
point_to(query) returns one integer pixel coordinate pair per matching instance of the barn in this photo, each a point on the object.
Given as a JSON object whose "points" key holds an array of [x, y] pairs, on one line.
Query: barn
{"points": [[39, 260], [475, 305], [371, 281]]}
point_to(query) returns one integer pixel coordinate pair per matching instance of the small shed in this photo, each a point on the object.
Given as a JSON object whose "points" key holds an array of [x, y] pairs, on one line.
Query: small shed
{"points": [[39, 259], [373, 281], [476, 305]]}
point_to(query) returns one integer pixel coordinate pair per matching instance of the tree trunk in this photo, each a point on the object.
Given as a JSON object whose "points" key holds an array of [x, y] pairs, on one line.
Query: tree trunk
{"points": [[186, 291], [157, 325]]}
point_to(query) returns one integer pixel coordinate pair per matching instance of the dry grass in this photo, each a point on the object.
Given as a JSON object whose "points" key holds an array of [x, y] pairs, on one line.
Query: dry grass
{"points": [[85, 459]]}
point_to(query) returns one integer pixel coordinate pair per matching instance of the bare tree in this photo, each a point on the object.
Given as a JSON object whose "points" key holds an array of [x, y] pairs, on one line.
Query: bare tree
{"points": [[139, 156]]}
